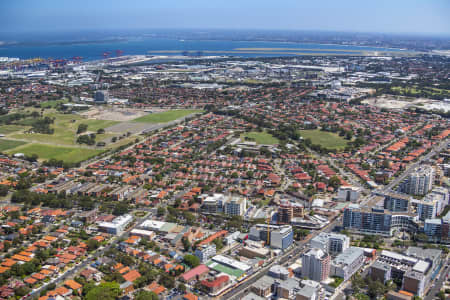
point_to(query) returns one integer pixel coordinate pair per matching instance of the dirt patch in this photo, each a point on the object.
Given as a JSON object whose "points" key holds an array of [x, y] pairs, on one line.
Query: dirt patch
{"points": [[113, 113], [400, 102]]}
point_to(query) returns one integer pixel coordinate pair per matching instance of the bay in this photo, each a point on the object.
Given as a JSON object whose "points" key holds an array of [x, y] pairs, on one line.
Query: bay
{"points": [[93, 50]]}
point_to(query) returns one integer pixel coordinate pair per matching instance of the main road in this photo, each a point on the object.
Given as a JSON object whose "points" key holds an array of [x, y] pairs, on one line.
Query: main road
{"points": [[411, 168], [437, 283], [240, 289]]}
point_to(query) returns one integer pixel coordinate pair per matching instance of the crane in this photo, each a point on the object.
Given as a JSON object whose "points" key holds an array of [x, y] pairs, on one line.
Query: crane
{"points": [[268, 231]]}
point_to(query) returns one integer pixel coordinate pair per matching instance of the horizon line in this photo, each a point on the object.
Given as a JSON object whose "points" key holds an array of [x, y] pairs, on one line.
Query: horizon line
{"points": [[53, 30]]}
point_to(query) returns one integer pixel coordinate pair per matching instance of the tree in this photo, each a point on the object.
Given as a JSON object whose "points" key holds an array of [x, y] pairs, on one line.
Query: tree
{"points": [[421, 237], [92, 244], [3, 190], [441, 295], [167, 281], [186, 243], [22, 291], [88, 139], [158, 177], [161, 211], [357, 282], [182, 287], [376, 288], [334, 182], [82, 128], [145, 295], [190, 218], [121, 208], [299, 234], [104, 291], [349, 135], [191, 260], [218, 242]]}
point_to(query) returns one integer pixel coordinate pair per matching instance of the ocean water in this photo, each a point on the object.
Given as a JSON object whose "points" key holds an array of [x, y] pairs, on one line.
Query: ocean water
{"points": [[92, 50]]}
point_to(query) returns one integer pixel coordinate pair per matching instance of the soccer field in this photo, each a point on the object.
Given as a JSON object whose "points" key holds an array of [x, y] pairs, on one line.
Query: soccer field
{"points": [[325, 139], [65, 127], [9, 144], [67, 154]]}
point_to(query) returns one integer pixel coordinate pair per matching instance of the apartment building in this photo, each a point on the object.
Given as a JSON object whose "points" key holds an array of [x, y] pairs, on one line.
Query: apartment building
{"points": [[280, 236], [316, 264], [347, 263], [332, 243]]}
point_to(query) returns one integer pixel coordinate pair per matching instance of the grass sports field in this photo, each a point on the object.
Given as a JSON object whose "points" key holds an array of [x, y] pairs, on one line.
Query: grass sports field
{"points": [[7, 129], [60, 145], [65, 130], [325, 139], [9, 144], [167, 116], [67, 154], [53, 103], [262, 138]]}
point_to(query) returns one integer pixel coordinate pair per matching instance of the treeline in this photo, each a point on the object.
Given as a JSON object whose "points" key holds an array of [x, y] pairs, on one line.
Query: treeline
{"points": [[10, 118], [442, 113], [61, 200], [284, 132], [60, 164], [88, 139], [42, 125]]}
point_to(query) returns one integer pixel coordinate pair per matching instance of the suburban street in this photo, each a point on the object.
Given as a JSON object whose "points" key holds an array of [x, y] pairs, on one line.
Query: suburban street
{"points": [[91, 258]]}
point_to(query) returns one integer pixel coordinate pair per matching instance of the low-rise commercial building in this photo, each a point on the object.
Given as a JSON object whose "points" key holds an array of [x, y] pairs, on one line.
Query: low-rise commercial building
{"points": [[195, 274], [116, 226], [205, 252]]}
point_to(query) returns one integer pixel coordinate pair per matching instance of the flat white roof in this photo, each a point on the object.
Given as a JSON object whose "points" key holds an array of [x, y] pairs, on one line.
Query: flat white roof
{"points": [[152, 224], [231, 262], [421, 266], [142, 232]]}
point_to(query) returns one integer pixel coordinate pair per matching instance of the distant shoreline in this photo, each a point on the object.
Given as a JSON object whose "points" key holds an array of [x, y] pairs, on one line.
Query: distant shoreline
{"points": [[97, 49]]}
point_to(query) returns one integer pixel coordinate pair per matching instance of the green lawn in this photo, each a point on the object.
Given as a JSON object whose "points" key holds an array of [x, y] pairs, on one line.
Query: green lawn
{"points": [[9, 144], [67, 154], [262, 138], [7, 129], [65, 127], [53, 103], [94, 125], [415, 90], [325, 139], [166, 116]]}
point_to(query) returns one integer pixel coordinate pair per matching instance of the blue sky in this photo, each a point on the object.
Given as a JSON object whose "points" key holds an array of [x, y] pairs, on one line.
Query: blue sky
{"points": [[392, 16]]}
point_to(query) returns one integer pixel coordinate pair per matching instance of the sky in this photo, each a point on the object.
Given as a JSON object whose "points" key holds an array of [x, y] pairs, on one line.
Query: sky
{"points": [[388, 16]]}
